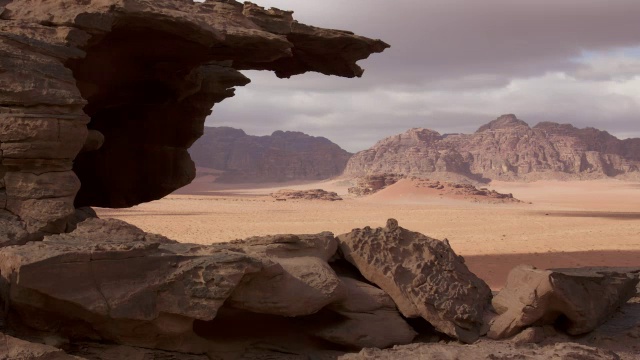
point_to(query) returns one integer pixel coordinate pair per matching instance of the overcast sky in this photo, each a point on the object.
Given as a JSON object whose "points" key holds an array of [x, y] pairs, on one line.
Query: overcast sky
{"points": [[454, 65]]}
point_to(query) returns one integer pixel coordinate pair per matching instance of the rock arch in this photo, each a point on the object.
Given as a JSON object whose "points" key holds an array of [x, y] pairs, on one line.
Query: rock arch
{"points": [[100, 99]]}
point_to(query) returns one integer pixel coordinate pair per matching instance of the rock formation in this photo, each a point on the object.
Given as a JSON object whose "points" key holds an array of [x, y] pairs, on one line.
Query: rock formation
{"points": [[108, 290], [504, 149], [370, 184], [423, 276], [315, 194], [100, 100], [110, 281], [282, 156], [466, 191], [581, 300]]}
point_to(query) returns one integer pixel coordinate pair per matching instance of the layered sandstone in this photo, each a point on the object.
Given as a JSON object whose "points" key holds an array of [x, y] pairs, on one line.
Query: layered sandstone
{"points": [[281, 156], [100, 100], [504, 149]]}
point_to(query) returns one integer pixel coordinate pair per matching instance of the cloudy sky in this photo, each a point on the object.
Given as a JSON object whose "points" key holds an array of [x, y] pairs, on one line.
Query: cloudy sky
{"points": [[455, 65]]}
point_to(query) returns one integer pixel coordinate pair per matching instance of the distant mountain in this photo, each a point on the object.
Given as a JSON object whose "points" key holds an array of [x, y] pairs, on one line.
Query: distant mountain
{"points": [[282, 156], [504, 149]]}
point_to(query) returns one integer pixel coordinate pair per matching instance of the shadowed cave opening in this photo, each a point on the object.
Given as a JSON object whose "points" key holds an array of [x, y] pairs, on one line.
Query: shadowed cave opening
{"points": [[144, 89]]}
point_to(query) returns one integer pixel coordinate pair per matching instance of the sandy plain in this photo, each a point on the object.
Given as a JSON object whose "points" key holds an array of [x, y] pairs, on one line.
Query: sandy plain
{"points": [[558, 224]]}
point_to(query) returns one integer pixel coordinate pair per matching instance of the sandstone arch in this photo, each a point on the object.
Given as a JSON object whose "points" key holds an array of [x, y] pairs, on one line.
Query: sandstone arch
{"points": [[100, 99]]}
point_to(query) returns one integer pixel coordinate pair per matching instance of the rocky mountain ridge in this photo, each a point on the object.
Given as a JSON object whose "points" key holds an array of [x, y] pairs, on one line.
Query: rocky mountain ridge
{"points": [[504, 149], [281, 156]]}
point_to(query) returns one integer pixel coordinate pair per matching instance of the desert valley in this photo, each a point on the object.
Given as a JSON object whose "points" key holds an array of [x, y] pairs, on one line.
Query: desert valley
{"points": [[130, 230], [563, 219], [568, 199]]}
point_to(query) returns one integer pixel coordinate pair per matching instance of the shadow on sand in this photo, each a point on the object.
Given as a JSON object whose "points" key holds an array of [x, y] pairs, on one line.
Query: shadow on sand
{"points": [[595, 214], [494, 268]]}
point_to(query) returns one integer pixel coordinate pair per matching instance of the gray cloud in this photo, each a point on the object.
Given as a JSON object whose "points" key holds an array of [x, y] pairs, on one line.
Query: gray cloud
{"points": [[454, 65]]}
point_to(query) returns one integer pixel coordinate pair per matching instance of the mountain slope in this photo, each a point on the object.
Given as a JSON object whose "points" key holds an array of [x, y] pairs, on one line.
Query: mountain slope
{"points": [[282, 156], [504, 149]]}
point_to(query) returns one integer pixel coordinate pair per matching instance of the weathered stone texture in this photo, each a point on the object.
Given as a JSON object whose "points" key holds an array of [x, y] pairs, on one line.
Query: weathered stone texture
{"points": [[504, 149], [578, 301], [423, 276]]}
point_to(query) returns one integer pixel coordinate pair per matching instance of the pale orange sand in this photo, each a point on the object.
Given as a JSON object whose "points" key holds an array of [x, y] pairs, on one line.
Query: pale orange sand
{"points": [[598, 219]]}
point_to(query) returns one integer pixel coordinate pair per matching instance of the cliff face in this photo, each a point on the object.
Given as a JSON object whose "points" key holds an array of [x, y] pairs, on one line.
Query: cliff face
{"points": [[504, 149], [282, 156], [100, 99]]}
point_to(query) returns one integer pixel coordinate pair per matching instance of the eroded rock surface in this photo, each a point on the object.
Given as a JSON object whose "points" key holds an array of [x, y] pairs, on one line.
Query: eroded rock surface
{"points": [[100, 100], [300, 282], [504, 149], [423, 276], [578, 301], [108, 280]]}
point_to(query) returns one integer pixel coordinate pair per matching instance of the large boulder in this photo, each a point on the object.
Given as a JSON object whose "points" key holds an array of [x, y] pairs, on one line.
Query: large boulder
{"points": [[109, 280], [298, 282], [371, 319], [577, 301], [423, 276]]}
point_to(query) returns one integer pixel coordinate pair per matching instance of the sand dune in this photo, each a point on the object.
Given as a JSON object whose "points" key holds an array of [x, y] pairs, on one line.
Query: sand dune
{"points": [[597, 220]]}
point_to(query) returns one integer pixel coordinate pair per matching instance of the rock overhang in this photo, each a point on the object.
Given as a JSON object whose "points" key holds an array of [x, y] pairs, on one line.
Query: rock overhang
{"points": [[114, 92]]}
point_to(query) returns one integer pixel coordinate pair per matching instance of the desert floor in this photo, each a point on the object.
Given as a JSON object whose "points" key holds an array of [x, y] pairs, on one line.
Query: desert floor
{"points": [[559, 224]]}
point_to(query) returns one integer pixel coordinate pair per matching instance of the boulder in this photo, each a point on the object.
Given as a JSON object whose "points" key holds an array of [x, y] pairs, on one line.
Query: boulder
{"points": [[423, 276], [109, 280], [577, 301], [296, 279], [371, 319]]}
